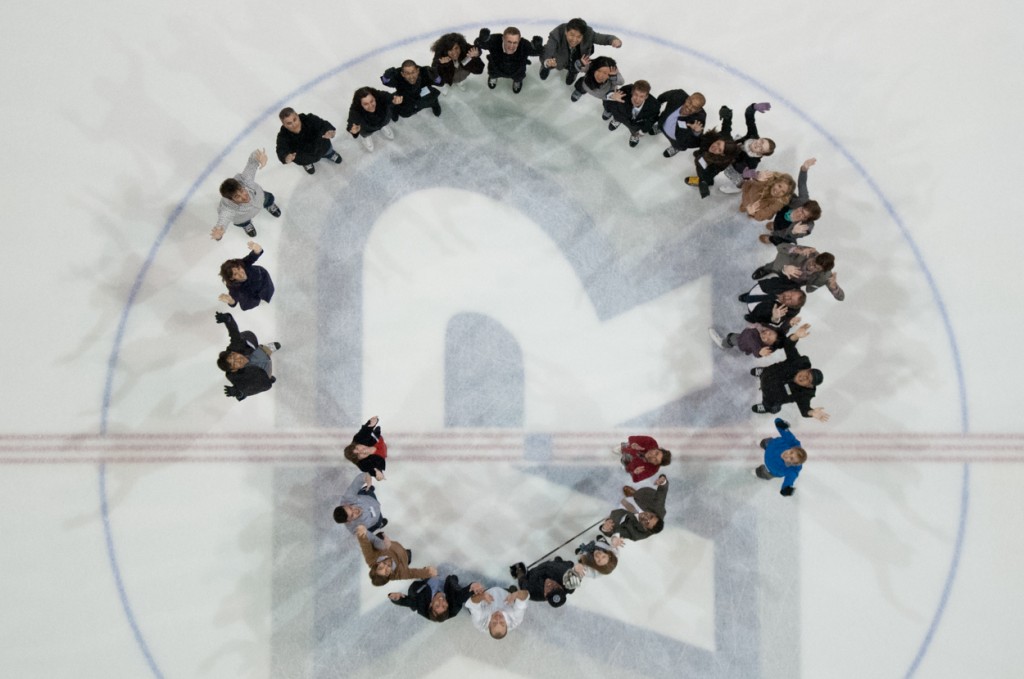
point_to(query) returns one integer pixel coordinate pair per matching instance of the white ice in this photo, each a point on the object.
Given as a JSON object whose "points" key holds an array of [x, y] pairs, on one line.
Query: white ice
{"points": [[153, 528]]}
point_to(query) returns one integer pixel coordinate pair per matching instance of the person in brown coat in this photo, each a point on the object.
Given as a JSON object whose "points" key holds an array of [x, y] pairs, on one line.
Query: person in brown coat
{"points": [[765, 194], [388, 560]]}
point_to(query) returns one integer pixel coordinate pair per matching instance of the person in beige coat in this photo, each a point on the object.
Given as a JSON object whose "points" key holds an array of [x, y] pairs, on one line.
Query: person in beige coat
{"points": [[765, 194], [388, 560]]}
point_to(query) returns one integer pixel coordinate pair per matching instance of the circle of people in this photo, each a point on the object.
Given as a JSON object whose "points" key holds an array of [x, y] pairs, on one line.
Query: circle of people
{"points": [[773, 304]]}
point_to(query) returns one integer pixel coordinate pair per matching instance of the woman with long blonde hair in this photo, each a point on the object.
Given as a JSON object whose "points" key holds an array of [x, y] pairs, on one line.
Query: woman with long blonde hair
{"points": [[766, 193]]}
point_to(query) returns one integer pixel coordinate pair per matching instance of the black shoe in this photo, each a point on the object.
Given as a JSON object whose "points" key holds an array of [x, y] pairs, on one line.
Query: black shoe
{"points": [[383, 522], [570, 77], [607, 115], [613, 125], [436, 108], [544, 72], [250, 230], [274, 210], [670, 151], [492, 83], [336, 157], [517, 86], [760, 272], [764, 444], [759, 409], [756, 372], [309, 169], [634, 139], [576, 94]]}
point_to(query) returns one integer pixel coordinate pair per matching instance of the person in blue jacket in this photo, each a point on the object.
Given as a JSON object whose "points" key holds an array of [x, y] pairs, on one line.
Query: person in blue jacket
{"points": [[783, 457]]}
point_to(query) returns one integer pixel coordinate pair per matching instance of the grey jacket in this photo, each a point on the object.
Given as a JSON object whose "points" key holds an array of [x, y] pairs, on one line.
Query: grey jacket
{"points": [[366, 500], [811, 281], [558, 49], [230, 212], [647, 500]]}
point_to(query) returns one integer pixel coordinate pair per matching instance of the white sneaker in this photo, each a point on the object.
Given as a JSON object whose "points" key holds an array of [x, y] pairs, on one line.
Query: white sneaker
{"points": [[386, 131], [461, 84], [717, 338], [367, 143], [444, 90], [728, 187]]}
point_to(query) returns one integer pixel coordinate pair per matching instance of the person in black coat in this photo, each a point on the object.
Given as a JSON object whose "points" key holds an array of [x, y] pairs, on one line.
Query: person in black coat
{"points": [[752, 149], [716, 152], [455, 59], [304, 139], [415, 89], [246, 362], [247, 283], [545, 581], [371, 110], [507, 55], [682, 119], [633, 106], [434, 599], [790, 381], [774, 302]]}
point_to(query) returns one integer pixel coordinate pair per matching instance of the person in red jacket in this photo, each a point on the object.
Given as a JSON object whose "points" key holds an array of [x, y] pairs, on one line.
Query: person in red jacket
{"points": [[642, 457], [368, 451]]}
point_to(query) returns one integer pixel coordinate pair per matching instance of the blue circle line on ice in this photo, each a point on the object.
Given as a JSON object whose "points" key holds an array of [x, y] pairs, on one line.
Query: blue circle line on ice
{"points": [[271, 110]]}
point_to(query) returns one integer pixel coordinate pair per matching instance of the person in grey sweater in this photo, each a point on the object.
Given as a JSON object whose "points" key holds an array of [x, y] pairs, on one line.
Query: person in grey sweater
{"points": [[241, 198], [359, 507]]}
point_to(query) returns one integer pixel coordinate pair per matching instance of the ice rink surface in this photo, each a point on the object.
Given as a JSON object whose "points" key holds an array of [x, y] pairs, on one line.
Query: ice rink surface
{"points": [[513, 290]]}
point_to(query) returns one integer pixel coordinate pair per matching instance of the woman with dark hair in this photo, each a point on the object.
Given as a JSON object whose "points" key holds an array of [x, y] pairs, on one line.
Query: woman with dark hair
{"points": [[247, 283], [455, 59], [599, 556], [368, 451], [717, 151], [370, 111], [602, 77]]}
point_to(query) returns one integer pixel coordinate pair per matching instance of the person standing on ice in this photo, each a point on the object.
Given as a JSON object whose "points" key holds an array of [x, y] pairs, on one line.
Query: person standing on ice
{"points": [[783, 457], [497, 612], [368, 451], [642, 457], [241, 199], [304, 139]]}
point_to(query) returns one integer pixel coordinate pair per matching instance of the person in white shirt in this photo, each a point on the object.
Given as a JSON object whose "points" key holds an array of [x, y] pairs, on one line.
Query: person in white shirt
{"points": [[497, 612]]}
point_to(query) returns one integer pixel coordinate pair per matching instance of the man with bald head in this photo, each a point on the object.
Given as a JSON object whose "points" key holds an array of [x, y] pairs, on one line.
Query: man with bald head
{"points": [[682, 120], [497, 612], [643, 519]]}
